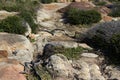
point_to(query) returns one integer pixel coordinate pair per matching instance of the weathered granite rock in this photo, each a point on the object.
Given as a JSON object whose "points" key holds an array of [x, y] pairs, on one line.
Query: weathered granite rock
{"points": [[91, 55], [10, 70], [59, 66], [66, 44], [17, 46]]}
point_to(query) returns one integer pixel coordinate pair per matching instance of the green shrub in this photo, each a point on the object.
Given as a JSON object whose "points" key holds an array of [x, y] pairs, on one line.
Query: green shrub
{"points": [[70, 53], [106, 36], [27, 16], [26, 8], [76, 16], [115, 11], [46, 1], [12, 24], [102, 3]]}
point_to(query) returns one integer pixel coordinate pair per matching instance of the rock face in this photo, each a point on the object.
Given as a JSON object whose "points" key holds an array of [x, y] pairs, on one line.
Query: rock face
{"points": [[10, 70], [59, 66], [66, 44], [17, 46], [83, 69]]}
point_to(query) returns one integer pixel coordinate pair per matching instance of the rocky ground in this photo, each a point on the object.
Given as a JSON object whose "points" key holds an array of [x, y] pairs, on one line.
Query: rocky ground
{"points": [[21, 59]]}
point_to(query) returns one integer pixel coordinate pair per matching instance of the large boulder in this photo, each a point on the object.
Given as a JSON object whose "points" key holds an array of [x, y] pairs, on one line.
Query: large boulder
{"points": [[59, 66], [10, 70], [17, 46]]}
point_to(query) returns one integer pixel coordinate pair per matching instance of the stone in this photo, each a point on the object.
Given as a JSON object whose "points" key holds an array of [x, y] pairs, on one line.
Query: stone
{"points": [[59, 33], [39, 44], [3, 54], [10, 70], [83, 45], [81, 70], [112, 72], [4, 14], [22, 56], [29, 30], [66, 44], [17, 46], [95, 73], [42, 15], [45, 34], [59, 66], [90, 55]]}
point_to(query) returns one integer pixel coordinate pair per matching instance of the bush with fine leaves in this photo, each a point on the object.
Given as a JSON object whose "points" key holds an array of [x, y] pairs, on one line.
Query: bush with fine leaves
{"points": [[76, 16], [106, 36], [12, 24]]}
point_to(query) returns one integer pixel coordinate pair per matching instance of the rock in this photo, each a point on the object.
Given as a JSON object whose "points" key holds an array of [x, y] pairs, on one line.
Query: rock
{"points": [[45, 34], [91, 55], [3, 54], [59, 66], [10, 70], [66, 44], [59, 32], [29, 30], [48, 24], [112, 72], [42, 15], [17, 46], [83, 45], [22, 56], [40, 44], [4, 14], [95, 73], [81, 70]]}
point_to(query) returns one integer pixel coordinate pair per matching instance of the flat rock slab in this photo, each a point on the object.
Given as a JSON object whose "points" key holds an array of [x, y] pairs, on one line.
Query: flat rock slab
{"points": [[90, 55], [17, 46]]}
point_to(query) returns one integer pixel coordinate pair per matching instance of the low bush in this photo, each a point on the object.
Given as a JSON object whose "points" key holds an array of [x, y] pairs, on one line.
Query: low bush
{"points": [[70, 53], [106, 36], [46, 1], [26, 8], [12, 24], [115, 11], [27, 16], [101, 3], [76, 16]]}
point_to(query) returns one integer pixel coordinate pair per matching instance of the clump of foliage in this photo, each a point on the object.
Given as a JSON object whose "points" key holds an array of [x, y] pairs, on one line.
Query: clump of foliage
{"points": [[101, 3], [46, 1], [106, 36], [70, 53], [12, 24], [115, 11], [26, 8], [76, 16]]}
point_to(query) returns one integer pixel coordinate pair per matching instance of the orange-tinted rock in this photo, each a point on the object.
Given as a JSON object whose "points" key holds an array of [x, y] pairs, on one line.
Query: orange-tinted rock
{"points": [[3, 54], [106, 18], [10, 70]]}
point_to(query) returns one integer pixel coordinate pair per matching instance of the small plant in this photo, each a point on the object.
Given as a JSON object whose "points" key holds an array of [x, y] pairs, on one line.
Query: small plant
{"points": [[106, 36], [115, 11], [76, 16], [26, 8], [70, 53], [101, 3], [12, 24]]}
